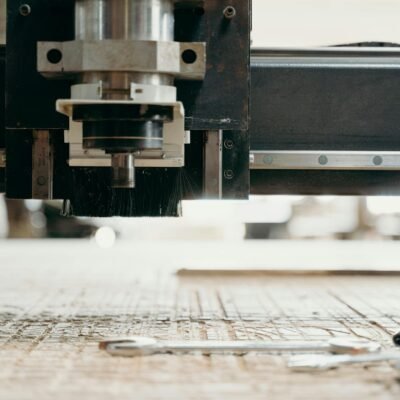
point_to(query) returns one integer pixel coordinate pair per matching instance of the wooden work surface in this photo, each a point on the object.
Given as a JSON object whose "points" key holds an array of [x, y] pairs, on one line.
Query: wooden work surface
{"points": [[56, 305]]}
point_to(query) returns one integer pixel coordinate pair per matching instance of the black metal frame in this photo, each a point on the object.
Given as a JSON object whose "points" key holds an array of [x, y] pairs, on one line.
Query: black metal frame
{"points": [[301, 100], [332, 99], [221, 101]]}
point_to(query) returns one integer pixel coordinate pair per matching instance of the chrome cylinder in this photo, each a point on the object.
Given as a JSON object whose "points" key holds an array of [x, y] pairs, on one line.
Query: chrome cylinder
{"points": [[123, 170], [3, 19], [124, 20]]}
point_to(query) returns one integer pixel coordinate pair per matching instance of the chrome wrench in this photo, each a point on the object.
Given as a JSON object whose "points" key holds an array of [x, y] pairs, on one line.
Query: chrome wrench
{"points": [[142, 346], [321, 362]]}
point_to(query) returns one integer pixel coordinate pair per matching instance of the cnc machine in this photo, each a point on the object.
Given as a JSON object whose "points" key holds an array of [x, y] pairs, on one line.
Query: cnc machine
{"points": [[126, 107]]}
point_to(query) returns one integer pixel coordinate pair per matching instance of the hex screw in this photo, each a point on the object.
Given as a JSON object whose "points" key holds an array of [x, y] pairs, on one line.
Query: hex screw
{"points": [[229, 12], [228, 144], [228, 174], [378, 160], [25, 9], [41, 180], [323, 160], [268, 160]]}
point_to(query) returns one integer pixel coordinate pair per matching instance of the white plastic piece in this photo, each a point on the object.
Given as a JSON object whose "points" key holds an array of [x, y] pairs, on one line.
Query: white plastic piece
{"points": [[172, 155]]}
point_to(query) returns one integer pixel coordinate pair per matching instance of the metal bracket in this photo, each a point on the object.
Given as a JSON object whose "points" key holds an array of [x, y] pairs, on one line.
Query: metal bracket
{"points": [[172, 155], [74, 57], [2, 158], [213, 165], [325, 160], [42, 165], [3, 14]]}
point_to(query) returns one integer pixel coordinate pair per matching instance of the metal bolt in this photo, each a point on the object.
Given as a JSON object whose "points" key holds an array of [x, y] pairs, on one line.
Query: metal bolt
{"points": [[268, 160], [323, 160], [25, 9], [229, 12], [41, 180], [228, 144], [378, 160], [228, 174]]}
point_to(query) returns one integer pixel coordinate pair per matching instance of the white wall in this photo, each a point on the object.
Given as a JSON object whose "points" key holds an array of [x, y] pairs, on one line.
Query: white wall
{"points": [[324, 22]]}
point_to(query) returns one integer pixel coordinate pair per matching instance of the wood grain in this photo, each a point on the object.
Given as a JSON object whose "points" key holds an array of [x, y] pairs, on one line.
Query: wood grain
{"points": [[52, 315]]}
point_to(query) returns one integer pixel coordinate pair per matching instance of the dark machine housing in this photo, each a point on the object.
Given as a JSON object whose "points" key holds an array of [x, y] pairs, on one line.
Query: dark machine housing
{"points": [[219, 102], [313, 121]]}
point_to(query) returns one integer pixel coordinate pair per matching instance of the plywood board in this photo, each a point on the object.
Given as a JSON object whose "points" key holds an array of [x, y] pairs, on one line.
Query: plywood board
{"points": [[53, 314]]}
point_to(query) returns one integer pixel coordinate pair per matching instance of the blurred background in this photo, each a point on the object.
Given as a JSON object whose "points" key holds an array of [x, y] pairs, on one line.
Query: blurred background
{"points": [[305, 23], [276, 23], [263, 217]]}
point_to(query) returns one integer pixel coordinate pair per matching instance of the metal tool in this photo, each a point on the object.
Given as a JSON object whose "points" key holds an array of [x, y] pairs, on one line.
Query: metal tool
{"points": [[310, 362], [141, 346]]}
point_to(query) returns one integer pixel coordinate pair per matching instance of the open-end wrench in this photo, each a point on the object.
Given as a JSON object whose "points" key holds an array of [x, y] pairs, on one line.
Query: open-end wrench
{"points": [[141, 346], [315, 362]]}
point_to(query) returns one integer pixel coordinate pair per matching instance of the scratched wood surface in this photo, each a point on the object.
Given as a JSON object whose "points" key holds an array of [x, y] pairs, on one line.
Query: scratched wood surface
{"points": [[54, 309]]}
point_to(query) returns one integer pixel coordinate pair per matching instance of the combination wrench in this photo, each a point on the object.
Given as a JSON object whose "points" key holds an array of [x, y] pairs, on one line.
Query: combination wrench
{"points": [[142, 346], [321, 362]]}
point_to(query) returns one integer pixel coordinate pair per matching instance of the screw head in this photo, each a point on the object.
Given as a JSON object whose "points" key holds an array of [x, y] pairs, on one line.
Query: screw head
{"points": [[323, 160], [41, 180], [229, 12], [228, 174], [268, 160], [228, 144], [378, 160], [25, 9]]}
